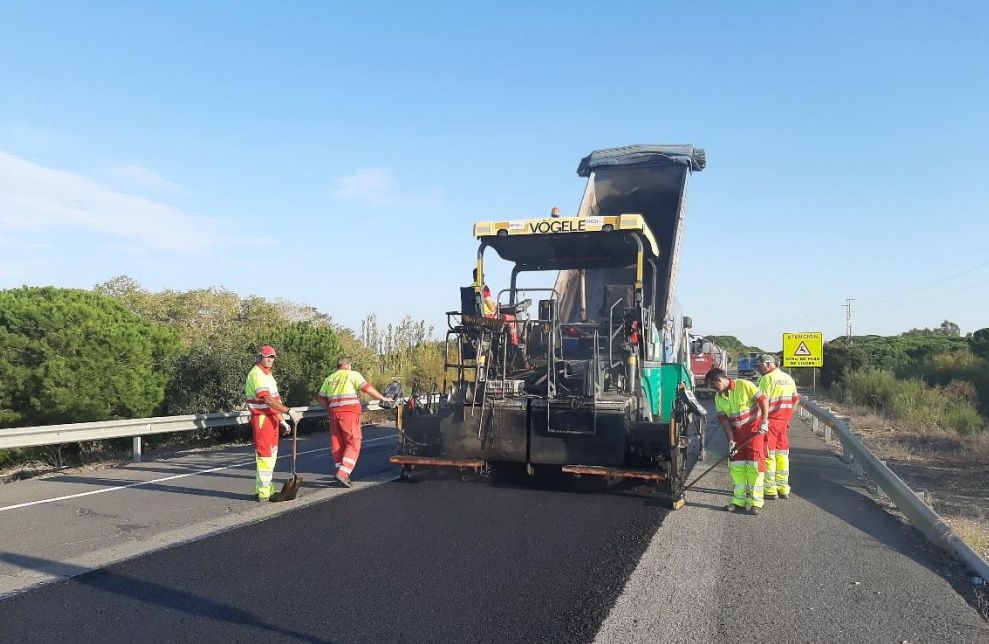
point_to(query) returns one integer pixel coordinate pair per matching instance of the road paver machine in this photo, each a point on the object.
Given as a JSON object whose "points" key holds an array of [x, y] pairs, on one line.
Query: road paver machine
{"points": [[592, 378]]}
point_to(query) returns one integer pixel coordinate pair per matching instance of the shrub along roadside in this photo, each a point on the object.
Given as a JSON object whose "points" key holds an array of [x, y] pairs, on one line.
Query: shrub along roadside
{"points": [[121, 351], [912, 401]]}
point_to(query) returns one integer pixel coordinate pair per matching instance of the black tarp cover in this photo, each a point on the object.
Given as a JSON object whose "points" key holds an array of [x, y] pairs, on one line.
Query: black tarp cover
{"points": [[643, 155]]}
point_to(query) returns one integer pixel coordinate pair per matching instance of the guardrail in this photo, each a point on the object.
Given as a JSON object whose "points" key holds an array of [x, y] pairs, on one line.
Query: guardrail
{"points": [[919, 513], [40, 435]]}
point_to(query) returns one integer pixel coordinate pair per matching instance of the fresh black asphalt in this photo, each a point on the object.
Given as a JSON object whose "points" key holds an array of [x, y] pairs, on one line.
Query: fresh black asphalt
{"points": [[440, 559]]}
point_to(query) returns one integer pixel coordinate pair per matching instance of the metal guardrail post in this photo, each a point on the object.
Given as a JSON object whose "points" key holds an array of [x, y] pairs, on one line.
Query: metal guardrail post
{"points": [[137, 449], [909, 502]]}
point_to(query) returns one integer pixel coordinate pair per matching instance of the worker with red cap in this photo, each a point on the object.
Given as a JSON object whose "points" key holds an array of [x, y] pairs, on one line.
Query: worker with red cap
{"points": [[265, 404], [340, 397]]}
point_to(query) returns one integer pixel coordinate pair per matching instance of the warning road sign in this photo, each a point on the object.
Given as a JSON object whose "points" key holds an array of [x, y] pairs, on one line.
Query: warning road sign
{"points": [[803, 349]]}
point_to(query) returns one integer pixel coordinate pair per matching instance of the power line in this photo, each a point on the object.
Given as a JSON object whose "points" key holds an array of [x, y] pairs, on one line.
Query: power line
{"points": [[895, 294], [932, 297]]}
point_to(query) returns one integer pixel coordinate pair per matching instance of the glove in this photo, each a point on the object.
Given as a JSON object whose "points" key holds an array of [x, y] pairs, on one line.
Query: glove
{"points": [[295, 416], [286, 430], [764, 427], [386, 403], [731, 448]]}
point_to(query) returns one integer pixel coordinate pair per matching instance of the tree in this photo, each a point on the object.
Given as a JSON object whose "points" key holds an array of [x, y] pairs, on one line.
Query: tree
{"points": [[307, 354], [74, 356], [203, 315], [841, 356], [947, 328], [979, 343], [210, 377]]}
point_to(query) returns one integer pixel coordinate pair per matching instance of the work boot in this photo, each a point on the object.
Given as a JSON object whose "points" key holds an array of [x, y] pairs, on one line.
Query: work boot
{"points": [[771, 497], [344, 479], [784, 496], [754, 510], [731, 507]]}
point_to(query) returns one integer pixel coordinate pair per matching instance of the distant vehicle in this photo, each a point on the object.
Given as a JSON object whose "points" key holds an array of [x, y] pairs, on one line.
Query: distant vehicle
{"points": [[746, 365], [704, 356]]}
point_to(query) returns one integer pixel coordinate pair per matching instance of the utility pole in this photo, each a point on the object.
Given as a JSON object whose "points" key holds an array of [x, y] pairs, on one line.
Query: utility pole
{"points": [[848, 318]]}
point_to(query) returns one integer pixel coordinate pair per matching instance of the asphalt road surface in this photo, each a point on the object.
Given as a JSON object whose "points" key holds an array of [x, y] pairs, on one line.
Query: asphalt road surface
{"points": [[455, 559]]}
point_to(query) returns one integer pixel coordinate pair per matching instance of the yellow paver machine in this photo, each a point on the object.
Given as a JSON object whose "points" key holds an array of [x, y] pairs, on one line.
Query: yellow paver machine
{"points": [[593, 380]]}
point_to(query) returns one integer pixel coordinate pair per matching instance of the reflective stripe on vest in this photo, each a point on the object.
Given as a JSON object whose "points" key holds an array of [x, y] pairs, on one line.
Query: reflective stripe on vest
{"points": [[781, 391], [341, 388], [259, 388], [740, 406]]}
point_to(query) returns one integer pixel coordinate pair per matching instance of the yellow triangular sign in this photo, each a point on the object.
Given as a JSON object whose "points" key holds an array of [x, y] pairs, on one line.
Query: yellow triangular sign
{"points": [[802, 350]]}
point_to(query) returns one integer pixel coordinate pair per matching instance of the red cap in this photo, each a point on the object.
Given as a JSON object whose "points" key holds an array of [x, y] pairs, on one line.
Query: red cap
{"points": [[267, 350]]}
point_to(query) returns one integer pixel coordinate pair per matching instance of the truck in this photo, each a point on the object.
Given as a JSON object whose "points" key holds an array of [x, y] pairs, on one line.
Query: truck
{"points": [[704, 356], [746, 365], [593, 378]]}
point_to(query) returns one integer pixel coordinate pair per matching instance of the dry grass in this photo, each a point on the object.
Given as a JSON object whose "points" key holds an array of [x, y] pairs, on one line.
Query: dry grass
{"points": [[952, 470], [974, 533]]}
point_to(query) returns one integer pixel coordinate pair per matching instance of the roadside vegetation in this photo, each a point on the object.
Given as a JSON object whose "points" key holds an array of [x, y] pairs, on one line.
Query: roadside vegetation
{"points": [[920, 401], [122, 351], [733, 346], [926, 379]]}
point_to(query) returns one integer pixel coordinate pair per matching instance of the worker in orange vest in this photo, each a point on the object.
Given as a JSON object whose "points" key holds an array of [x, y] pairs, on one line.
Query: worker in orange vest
{"points": [[265, 404], [340, 397]]}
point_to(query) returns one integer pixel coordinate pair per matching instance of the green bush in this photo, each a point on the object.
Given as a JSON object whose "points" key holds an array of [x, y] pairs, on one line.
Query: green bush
{"points": [[912, 401], [307, 354], [69, 356], [209, 377], [945, 368], [979, 343]]}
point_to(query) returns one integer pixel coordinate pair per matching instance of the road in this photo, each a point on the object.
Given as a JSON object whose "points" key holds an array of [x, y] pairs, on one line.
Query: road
{"points": [[448, 559]]}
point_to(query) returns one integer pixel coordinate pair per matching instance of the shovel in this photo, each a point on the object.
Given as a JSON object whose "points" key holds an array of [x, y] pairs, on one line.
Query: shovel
{"points": [[290, 488]]}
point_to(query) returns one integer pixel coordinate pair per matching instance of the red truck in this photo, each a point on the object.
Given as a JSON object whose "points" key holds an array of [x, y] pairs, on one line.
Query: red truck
{"points": [[704, 356]]}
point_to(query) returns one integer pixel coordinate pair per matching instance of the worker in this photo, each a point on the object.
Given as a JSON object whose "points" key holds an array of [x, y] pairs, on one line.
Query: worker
{"points": [[488, 305], [744, 414], [261, 392], [781, 392], [394, 389], [340, 397], [555, 212]]}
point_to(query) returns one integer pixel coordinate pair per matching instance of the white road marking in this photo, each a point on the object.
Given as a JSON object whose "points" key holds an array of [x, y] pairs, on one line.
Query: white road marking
{"points": [[167, 478]]}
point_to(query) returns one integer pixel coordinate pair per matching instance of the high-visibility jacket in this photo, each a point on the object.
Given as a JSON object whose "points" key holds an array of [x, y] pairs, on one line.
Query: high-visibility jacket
{"points": [[259, 389], [781, 391], [341, 388], [487, 302], [739, 404]]}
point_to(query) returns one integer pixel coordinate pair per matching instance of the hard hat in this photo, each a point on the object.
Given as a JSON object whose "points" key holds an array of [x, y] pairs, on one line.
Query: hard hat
{"points": [[767, 358], [267, 351]]}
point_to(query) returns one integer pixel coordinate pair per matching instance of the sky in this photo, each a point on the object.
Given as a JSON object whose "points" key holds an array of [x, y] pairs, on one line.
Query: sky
{"points": [[338, 153]]}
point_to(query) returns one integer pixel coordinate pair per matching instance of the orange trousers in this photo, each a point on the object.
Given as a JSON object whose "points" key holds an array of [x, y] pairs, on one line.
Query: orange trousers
{"points": [[345, 439]]}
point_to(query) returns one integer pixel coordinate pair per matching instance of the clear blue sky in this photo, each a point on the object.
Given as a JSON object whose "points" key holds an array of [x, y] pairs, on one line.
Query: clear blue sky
{"points": [[337, 153]]}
